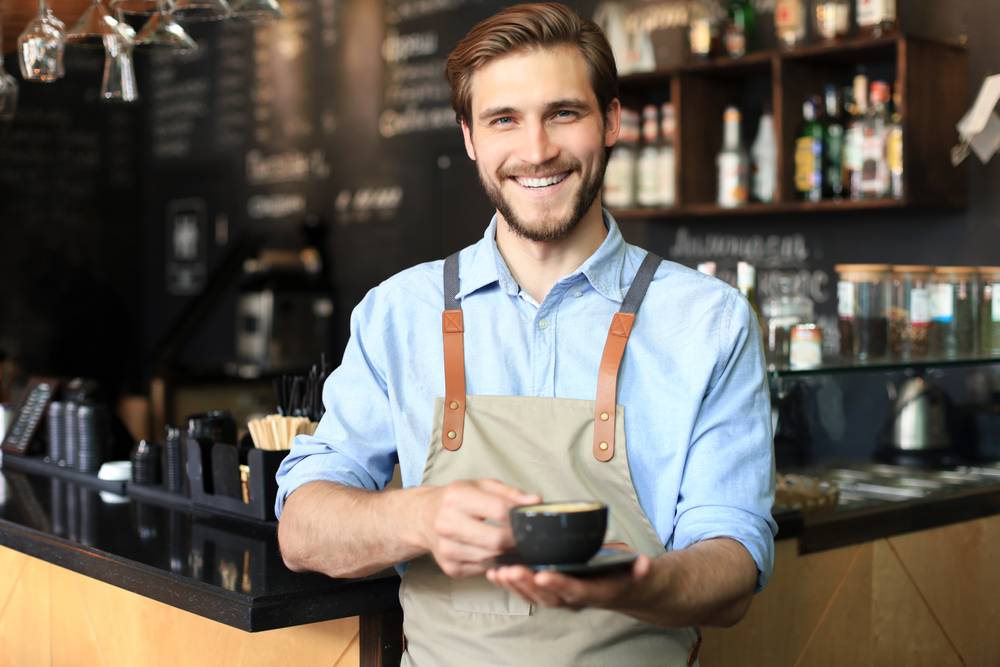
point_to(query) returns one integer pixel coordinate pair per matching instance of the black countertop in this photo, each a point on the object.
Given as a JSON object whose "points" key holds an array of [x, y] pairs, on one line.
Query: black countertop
{"points": [[232, 571], [224, 570]]}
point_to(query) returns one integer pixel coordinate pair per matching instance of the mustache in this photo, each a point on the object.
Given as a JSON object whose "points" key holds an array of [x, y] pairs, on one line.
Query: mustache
{"points": [[538, 170]]}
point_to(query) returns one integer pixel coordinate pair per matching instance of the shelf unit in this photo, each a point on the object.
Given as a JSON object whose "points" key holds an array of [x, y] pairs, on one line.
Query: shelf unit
{"points": [[841, 366], [934, 84]]}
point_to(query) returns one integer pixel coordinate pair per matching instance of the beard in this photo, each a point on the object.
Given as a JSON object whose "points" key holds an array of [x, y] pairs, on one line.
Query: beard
{"points": [[550, 230]]}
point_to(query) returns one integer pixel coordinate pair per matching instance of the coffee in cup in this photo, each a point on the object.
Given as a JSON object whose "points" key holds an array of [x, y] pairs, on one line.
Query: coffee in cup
{"points": [[567, 531]]}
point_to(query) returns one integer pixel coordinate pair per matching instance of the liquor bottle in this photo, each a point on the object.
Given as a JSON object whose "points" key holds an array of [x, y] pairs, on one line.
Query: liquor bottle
{"points": [[790, 22], [875, 179], [667, 169], [855, 135], [833, 146], [833, 19], [732, 162], [809, 154], [876, 17], [703, 31], [894, 145], [746, 283], [647, 176], [739, 29], [765, 155], [619, 177]]}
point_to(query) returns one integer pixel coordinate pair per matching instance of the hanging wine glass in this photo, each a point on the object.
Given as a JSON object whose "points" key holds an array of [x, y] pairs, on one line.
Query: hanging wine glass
{"points": [[161, 30], [118, 82], [140, 7], [201, 10], [257, 10], [40, 47], [8, 93], [93, 26]]}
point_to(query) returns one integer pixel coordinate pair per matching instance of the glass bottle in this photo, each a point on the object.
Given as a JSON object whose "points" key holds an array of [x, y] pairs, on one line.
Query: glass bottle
{"points": [[790, 22], [894, 146], [989, 310], [764, 154], [746, 283], [875, 180], [647, 165], [854, 136], [876, 17], [809, 154], [862, 310], [619, 176], [954, 312], [703, 31], [833, 146], [832, 18], [739, 29], [667, 168], [910, 312], [732, 163]]}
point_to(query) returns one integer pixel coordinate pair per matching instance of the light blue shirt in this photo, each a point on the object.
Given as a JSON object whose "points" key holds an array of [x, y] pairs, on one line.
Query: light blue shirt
{"points": [[698, 425]]}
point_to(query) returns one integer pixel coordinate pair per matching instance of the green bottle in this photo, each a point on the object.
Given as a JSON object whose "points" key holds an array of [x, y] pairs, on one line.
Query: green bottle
{"points": [[739, 30], [809, 154], [833, 150]]}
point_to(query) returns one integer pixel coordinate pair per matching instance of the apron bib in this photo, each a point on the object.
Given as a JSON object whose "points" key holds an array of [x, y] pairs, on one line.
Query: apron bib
{"points": [[562, 449]]}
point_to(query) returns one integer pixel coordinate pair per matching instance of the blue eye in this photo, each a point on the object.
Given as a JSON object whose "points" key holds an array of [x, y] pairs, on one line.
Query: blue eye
{"points": [[502, 120], [566, 113]]}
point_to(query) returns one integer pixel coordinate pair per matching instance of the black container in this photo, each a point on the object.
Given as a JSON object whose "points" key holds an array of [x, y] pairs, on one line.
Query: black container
{"points": [[262, 485], [56, 419], [174, 479], [145, 458], [208, 429], [72, 435], [93, 437], [559, 532]]}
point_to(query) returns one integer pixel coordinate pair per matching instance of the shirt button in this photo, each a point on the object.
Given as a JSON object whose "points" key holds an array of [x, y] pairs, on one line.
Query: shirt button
{"points": [[578, 294], [543, 324]]}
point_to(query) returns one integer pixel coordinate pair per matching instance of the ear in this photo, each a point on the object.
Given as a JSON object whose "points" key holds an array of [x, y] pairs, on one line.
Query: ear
{"points": [[470, 150], [612, 122]]}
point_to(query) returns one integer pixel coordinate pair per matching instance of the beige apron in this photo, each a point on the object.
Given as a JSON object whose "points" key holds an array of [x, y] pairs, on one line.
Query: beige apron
{"points": [[562, 449]]}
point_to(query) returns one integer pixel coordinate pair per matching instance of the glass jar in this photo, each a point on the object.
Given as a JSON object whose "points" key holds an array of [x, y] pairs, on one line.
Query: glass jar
{"points": [[782, 311], [790, 21], [989, 310], [863, 310], [910, 312], [954, 292], [832, 18]]}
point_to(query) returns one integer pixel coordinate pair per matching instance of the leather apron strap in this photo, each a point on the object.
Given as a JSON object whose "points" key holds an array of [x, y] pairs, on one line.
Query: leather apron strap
{"points": [[607, 382]]}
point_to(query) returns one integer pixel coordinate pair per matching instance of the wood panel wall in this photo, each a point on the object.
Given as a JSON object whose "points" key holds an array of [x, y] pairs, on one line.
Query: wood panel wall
{"points": [[928, 598], [53, 616]]}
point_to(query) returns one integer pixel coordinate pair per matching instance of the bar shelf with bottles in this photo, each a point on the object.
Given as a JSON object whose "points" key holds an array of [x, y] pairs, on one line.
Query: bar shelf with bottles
{"points": [[926, 81]]}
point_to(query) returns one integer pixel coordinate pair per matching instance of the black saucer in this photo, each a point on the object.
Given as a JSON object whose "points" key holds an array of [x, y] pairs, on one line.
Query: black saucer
{"points": [[605, 561]]}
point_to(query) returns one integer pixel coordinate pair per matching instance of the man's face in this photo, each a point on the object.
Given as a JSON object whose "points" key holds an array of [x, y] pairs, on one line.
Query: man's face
{"points": [[538, 138]]}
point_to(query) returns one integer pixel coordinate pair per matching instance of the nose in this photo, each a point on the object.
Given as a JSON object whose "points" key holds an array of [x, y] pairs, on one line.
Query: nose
{"points": [[538, 145]]}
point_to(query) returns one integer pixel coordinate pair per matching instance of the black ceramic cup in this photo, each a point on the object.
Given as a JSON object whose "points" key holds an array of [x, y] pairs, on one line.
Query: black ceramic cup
{"points": [[570, 531]]}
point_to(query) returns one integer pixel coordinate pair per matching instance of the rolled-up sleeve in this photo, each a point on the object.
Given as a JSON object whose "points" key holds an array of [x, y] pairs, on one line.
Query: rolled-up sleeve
{"points": [[353, 444], [728, 484]]}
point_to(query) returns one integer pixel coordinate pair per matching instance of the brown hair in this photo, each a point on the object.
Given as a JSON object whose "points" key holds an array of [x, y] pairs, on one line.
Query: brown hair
{"points": [[522, 27]]}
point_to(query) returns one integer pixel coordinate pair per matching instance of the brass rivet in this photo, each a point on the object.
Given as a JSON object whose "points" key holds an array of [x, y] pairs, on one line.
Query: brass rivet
{"points": [[454, 405], [604, 416], [603, 446], [452, 435]]}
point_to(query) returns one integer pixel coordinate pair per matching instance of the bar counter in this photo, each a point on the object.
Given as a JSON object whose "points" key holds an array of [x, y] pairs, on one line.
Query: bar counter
{"points": [[199, 579]]}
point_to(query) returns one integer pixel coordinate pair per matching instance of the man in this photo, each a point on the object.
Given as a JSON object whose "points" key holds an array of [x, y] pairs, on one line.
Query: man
{"points": [[523, 390]]}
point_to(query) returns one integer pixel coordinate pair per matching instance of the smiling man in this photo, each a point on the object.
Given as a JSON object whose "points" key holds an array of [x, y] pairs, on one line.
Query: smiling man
{"points": [[551, 360]]}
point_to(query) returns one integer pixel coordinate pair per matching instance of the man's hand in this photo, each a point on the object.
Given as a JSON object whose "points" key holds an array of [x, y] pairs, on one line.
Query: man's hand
{"points": [[551, 589], [465, 524]]}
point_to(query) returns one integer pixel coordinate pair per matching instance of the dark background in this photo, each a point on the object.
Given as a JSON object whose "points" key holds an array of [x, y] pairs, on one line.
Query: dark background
{"points": [[88, 190]]}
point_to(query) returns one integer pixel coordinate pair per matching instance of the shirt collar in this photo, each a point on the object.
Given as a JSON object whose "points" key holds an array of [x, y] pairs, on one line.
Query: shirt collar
{"points": [[603, 269]]}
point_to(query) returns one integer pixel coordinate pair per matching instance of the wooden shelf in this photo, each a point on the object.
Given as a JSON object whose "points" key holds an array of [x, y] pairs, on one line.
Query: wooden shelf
{"points": [[756, 209], [932, 78]]}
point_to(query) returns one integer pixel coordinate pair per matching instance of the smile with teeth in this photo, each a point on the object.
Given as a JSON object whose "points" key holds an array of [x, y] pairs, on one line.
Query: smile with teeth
{"points": [[541, 182]]}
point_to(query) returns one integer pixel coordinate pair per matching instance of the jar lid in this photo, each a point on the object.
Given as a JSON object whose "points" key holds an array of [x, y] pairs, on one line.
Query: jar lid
{"points": [[911, 268], [862, 271], [962, 270]]}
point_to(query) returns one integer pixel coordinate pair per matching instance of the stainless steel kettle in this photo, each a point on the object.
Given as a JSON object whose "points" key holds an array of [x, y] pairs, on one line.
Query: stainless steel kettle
{"points": [[920, 416]]}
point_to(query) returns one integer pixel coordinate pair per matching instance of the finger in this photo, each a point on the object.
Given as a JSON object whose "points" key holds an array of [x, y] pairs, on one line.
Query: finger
{"points": [[457, 552], [511, 493], [521, 581], [476, 533], [569, 589]]}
